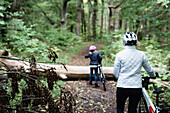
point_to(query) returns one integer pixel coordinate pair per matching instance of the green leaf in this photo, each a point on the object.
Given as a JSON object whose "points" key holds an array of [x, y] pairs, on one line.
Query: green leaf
{"points": [[1, 14], [2, 8], [2, 22]]}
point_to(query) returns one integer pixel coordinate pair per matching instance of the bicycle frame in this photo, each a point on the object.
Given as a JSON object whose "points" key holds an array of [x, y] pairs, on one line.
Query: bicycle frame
{"points": [[150, 106]]}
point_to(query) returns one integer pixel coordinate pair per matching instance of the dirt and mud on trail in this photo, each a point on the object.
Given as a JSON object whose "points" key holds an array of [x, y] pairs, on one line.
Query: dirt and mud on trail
{"points": [[89, 99]]}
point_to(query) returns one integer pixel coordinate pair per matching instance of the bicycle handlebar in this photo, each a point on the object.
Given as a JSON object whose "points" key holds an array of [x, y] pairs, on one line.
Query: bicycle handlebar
{"points": [[151, 77], [146, 79]]}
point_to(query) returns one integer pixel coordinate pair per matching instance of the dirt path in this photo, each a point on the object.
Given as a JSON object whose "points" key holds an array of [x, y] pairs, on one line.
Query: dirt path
{"points": [[88, 98], [79, 59]]}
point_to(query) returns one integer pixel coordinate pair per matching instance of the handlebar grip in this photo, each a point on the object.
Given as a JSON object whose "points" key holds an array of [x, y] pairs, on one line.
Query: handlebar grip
{"points": [[157, 75]]}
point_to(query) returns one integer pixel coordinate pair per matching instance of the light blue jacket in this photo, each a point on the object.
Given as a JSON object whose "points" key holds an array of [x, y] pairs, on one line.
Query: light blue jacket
{"points": [[127, 67]]}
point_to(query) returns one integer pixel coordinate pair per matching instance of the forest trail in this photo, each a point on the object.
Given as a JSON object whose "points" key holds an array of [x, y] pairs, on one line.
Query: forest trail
{"points": [[79, 59], [90, 99]]}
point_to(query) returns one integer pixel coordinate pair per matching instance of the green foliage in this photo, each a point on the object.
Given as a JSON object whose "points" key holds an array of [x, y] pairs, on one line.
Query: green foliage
{"points": [[110, 50], [21, 38], [62, 38], [158, 56], [151, 17]]}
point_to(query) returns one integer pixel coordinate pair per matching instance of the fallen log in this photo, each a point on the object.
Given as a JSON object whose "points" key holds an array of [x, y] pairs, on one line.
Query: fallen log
{"points": [[79, 72], [72, 72]]}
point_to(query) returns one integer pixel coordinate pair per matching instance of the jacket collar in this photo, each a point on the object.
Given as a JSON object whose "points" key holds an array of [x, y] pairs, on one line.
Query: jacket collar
{"points": [[130, 47]]}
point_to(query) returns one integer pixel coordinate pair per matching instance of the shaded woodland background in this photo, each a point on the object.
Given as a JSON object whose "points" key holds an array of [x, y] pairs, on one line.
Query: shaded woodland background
{"points": [[33, 27]]}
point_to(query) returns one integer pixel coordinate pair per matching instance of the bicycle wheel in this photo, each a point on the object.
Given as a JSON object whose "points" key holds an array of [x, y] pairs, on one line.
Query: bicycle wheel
{"points": [[142, 107], [104, 82], [104, 86]]}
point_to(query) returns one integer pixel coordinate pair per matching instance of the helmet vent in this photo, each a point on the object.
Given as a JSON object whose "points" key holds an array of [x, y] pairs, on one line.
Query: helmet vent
{"points": [[131, 34]]}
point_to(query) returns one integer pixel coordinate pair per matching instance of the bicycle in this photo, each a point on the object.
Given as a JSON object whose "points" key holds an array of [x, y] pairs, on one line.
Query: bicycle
{"points": [[102, 77], [146, 105]]}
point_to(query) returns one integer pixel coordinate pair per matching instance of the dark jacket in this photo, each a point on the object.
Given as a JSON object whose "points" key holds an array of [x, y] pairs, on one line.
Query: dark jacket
{"points": [[95, 58]]}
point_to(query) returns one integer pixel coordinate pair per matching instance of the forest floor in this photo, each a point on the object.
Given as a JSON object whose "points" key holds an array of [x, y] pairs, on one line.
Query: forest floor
{"points": [[89, 99]]}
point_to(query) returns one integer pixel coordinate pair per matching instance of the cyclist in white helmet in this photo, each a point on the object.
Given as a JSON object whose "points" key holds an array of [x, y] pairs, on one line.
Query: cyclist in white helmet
{"points": [[127, 70], [95, 60]]}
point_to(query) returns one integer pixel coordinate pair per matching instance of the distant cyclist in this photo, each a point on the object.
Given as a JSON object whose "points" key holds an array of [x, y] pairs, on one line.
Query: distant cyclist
{"points": [[127, 69], [95, 59]]}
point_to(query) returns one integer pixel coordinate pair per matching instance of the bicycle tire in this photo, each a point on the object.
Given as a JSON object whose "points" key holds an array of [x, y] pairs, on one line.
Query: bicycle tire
{"points": [[104, 86], [142, 106], [102, 79]]}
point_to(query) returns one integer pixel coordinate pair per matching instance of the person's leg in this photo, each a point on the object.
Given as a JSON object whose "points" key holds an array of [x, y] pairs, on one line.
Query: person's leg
{"points": [[91, 74], [134, 98], [96, 75], [121, 96]]}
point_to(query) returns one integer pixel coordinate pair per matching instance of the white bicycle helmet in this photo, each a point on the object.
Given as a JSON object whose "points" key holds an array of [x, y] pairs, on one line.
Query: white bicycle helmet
{"points": [[130, 38]]}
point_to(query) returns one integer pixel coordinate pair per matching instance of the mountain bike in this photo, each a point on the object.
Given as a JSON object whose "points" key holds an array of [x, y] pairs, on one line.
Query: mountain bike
{"points": [[102, 77], [146, 105]]}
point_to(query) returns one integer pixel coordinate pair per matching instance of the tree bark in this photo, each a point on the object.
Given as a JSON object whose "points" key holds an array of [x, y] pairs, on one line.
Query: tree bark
{"points": [[117, 20], [111, 27], [64, 14], [94, 18], [79, 15], [89, 15], [46, 16], [114, 21], [83, 27], [101, 26]]}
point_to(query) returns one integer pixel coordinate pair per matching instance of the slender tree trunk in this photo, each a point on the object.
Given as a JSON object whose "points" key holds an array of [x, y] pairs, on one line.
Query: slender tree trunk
{"points": [[79, 16], [105, 23], [111, 27], [117, 20], [84, 22], [94, 18], [101, 26], [64, 14], [89, 15], [46, 16], [83, 27]]}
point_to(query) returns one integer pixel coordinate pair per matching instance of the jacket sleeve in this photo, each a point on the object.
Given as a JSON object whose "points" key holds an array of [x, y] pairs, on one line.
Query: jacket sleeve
{"points": [[117, 66], [148, 68], [100, 56], [87, 56]]}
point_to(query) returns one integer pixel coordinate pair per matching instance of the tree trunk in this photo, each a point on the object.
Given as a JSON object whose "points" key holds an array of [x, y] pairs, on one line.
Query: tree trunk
{"points": [[64, 14], [111, 27], [46, 16], [89, 15], [101, 26], [79, 16], [94, 18], [83, 22], [117, 20]]}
